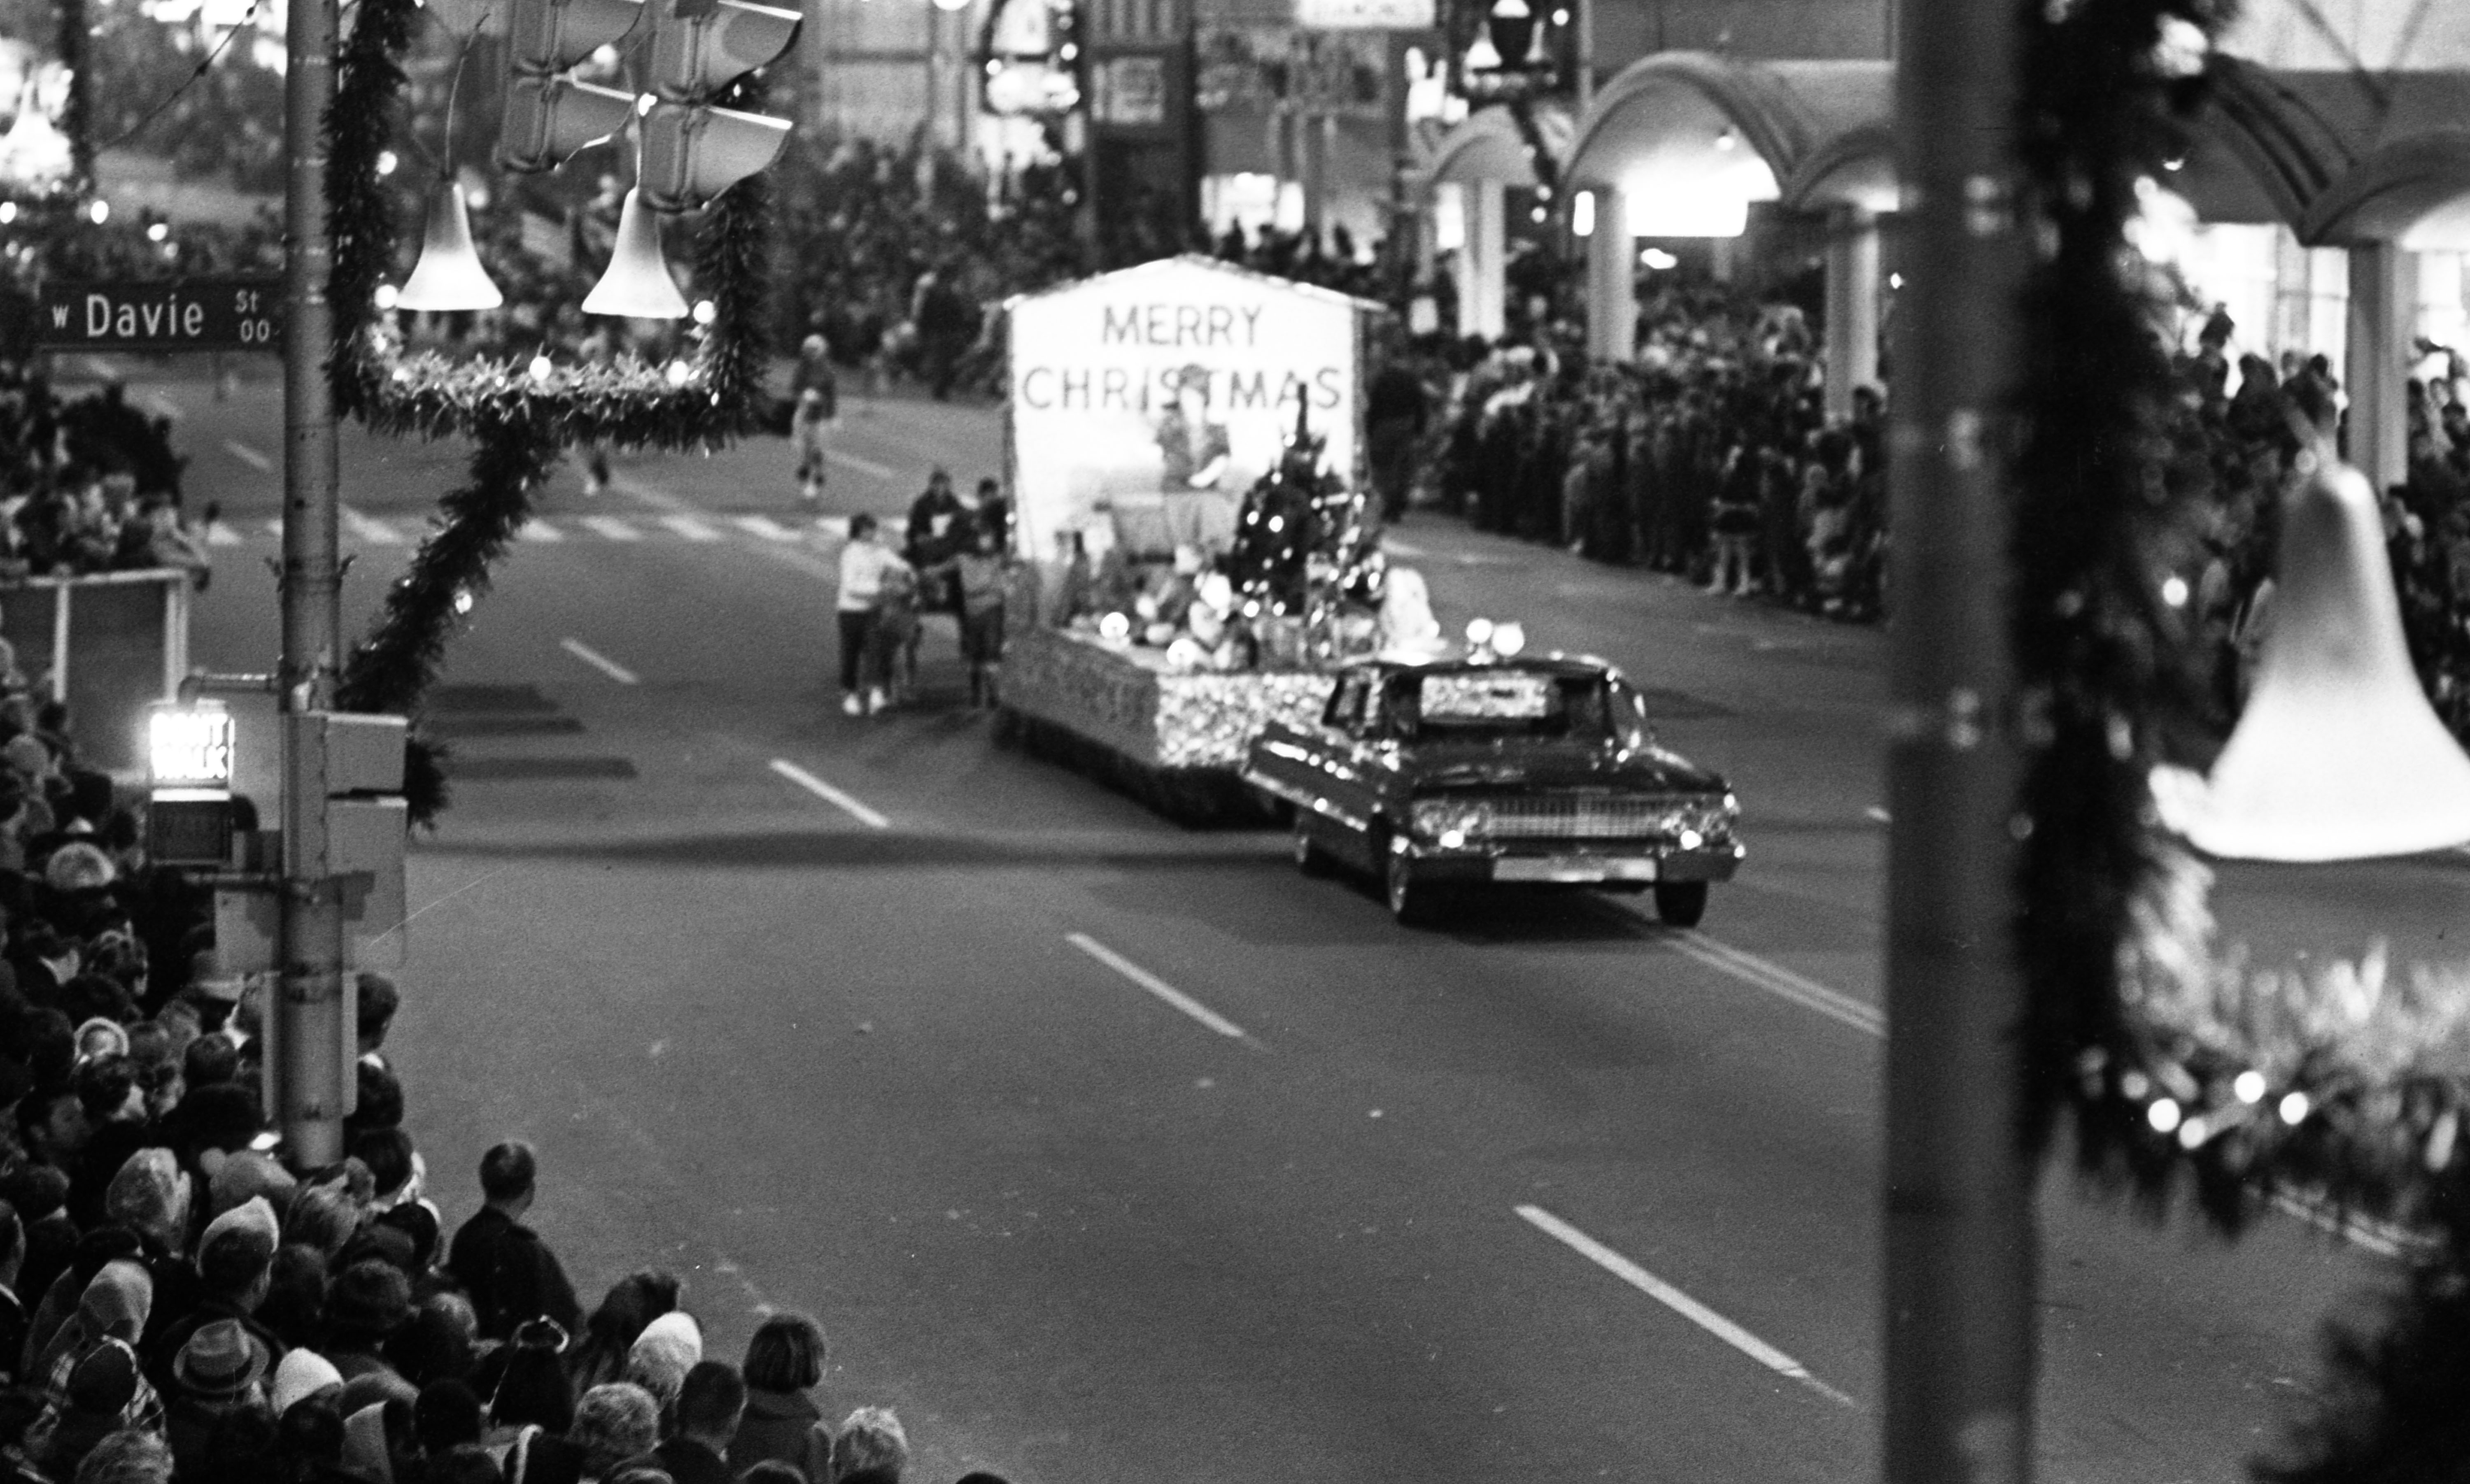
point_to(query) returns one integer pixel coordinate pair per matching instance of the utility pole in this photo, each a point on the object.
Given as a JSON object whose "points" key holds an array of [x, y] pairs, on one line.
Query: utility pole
{"points": [[306, 1009], [1959, 1231]]}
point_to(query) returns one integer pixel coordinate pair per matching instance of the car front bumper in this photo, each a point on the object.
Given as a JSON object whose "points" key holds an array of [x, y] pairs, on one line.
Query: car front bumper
{"points": [[1593, 863]]}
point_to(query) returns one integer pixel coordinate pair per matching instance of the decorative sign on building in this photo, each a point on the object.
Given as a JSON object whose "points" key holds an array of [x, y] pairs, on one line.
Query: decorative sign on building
{"points": [[1339, 72], [1365, 15], [1170, 388], [1129, 91]]}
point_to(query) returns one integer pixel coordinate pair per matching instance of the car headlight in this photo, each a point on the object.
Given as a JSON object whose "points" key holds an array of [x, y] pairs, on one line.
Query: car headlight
{"points": [[1467, 818]]}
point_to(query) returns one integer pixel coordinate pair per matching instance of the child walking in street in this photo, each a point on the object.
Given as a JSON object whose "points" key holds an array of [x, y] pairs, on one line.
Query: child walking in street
{"points": [[982, 570]]}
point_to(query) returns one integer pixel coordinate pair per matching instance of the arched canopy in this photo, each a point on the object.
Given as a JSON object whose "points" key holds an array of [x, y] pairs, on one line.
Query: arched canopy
{"points": [[2342, 157], [1488, 144], [1808, 133]]}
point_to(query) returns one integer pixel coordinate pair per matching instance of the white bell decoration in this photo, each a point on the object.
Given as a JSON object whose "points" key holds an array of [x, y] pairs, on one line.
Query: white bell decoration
{"points": [[2338, 755], [449, 275], [637, 284]]}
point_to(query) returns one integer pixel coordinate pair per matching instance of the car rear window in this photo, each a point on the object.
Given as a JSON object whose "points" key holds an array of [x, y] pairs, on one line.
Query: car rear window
{"points": [[1503, 703]]}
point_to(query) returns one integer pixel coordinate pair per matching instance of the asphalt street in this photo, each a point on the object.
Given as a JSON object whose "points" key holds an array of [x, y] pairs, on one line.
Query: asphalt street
{"points": [[1108, 1149]]}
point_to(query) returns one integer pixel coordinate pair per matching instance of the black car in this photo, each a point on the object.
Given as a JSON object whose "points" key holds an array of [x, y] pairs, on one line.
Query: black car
{"points": [[1488, 769]]}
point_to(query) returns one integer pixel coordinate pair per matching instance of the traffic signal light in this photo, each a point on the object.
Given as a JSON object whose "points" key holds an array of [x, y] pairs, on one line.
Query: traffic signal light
{"points": [[691, 150], [549, 117]]}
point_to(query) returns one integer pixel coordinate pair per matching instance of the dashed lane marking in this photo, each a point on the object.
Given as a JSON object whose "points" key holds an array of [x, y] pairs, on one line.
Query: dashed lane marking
{"points": [[248, 455], [611, 528], [1680, 1303], [599, 661], [1879, 816], [1403, 548], [1780, 981], [830, 795], [218, 534], [764, 526], [1158, 986], [689, 527], [864, 466], [376, 533], [540, 530]]}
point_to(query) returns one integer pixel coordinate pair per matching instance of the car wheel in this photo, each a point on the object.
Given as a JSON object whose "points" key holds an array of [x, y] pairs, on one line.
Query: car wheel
{"points": [[1410, 901], [1310, 858], [1680, 903]]}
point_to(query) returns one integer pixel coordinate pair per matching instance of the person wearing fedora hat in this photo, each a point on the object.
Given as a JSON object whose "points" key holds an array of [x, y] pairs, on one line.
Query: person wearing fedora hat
{"points": [[221, 1369]]}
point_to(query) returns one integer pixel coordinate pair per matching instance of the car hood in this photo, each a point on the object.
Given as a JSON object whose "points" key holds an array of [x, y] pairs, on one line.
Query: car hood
{"points": [[1452, 765]]}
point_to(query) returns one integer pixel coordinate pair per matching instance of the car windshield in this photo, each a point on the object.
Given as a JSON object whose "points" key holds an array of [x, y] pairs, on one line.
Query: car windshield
{"points": [[1498, 702]]}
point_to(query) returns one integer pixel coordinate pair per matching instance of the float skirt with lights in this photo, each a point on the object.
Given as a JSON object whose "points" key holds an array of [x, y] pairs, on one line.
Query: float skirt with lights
{"points": [[1134, 703]]}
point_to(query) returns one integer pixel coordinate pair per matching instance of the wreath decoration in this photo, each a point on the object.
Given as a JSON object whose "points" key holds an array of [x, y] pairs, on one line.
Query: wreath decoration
{"points": [[520, 423]]}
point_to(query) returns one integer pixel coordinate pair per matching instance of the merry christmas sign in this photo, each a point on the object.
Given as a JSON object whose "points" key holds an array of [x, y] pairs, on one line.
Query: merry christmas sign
{"points": [[1174, 380]]}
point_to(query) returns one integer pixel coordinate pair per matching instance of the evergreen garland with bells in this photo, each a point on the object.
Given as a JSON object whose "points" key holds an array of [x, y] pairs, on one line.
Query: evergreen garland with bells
{"points": [[520, 423], [2170, 1057]]}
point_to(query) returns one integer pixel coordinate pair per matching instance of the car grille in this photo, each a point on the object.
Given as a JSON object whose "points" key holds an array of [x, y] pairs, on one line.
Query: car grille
{"points": [[1583, 818]]}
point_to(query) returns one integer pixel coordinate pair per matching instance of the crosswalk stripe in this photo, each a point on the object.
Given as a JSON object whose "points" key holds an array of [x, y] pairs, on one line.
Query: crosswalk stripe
{"points": [[540, 530], [220, 535], [376, 533], [611, 527], [689, 527], [764, 526]]}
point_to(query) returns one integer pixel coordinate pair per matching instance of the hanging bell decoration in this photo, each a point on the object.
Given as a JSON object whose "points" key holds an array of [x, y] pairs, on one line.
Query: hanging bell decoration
{"points": [[2338, 755], [1539, 56], [449, 275], [637, 284]]}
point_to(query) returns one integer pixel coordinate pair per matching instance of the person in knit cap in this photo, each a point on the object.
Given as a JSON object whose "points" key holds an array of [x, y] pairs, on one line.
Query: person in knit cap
{"points": [[222, 1367], [301, 1375], [670, 1347], [101, 1395], [249, 1173], [235, 1268], [614, 1422], [150, 1197], [365, 1307], [509, 1272], [101, 1037], [374, 1436], [112, 1308]]}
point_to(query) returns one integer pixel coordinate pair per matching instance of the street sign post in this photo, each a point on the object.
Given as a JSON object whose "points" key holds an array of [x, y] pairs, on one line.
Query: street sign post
{"points": [[159, 314]]}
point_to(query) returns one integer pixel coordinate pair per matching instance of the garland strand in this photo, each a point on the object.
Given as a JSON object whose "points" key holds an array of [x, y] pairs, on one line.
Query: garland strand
{"points": [[521, 423], [2169, 1057], [2097, 657]]}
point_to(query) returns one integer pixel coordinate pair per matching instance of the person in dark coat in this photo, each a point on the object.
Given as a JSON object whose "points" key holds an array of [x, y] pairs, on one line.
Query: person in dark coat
{"points": [[509, 1273], [784, 1361], [1394, 410], [709, 1405]]}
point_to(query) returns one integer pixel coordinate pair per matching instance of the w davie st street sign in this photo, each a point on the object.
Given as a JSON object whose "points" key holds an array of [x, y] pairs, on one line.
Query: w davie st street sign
{"points": [[178, 314]]}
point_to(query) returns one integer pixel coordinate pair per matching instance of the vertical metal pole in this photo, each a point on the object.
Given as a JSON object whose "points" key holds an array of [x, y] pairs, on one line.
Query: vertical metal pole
{"points": [[1586, 49], [1959, 1262], [306, 1001]]}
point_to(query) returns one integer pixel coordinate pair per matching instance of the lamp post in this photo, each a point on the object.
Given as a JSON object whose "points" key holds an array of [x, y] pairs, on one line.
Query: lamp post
{"points": [[1958, 1232], [306, 1001]]}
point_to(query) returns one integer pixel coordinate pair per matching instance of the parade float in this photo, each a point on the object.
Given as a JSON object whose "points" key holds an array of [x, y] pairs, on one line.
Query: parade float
{"points": [[1184, 444]]}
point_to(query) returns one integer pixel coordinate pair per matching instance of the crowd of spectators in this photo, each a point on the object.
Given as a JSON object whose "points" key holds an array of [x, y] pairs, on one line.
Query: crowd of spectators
{"points": [[1708, 455], [88, 484], [180, 1301]]}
